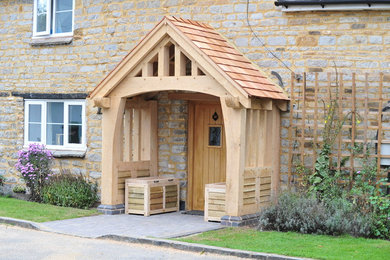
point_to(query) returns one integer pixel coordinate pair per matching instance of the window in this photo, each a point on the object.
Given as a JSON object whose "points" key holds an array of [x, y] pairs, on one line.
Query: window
{"points": [[59, 124], [215, 136], [53, 17]]}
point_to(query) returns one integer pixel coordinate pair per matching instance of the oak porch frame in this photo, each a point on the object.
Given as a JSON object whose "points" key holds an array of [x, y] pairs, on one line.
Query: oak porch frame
{"points": [[239, 144], [247, 156]]}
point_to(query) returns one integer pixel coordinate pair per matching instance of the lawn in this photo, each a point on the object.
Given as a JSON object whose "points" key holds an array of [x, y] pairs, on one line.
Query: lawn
{"points": [[32, 211], [295, 244]]}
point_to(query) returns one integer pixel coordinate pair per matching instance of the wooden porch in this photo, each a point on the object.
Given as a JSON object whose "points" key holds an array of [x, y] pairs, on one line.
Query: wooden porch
{"points": [[167, 60]]}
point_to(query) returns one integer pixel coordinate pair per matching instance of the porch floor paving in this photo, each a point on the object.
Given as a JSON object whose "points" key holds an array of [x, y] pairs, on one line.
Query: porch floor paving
{"points": [[166, 225]]}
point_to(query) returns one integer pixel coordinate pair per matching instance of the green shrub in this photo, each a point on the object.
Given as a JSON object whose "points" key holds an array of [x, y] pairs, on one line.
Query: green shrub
{"points": [[342, 217], [381, 218], [70, 190], [2, 180], [19, 189], [293, 213], [306, 214], [367, 195]]}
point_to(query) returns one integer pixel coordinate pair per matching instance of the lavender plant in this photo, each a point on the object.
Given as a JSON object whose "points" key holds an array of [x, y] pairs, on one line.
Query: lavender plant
{"points": [[34, 164]]}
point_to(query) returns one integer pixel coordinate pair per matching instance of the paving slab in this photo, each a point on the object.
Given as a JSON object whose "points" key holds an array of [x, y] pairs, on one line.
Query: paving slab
{"points": [[166, 225]]}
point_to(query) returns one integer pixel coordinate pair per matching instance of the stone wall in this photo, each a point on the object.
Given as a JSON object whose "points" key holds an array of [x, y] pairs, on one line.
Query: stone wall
{"points": [[172, 140], [11, 119], [105, 31]]}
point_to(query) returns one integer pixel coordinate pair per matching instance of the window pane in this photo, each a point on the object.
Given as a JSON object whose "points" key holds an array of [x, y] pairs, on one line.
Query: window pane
{"points": [[55, 120], [34, 114], [41, 15], [63, 22], [41, 6], [75, 114], [74, 134], [55, 112], [34, 132], [215, 136], [41, 22], [55, 134], [62, 5]]}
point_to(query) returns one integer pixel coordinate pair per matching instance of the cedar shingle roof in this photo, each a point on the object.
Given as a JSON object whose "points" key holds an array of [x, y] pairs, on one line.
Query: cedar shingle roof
{"points": [[228, 59], [240, 71]]}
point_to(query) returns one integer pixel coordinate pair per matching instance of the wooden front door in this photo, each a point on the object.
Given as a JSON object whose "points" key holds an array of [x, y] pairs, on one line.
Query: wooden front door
{"points": [[208, 162]]}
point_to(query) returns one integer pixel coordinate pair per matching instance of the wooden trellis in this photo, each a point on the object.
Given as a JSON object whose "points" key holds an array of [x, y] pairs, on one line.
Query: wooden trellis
{"points": [[363, 105]]}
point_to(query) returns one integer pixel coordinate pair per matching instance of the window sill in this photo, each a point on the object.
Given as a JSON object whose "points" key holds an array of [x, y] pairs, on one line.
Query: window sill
{"points": [[51, 40], [68, 153]]}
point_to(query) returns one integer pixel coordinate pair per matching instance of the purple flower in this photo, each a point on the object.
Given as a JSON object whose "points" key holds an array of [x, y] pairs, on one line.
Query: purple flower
{"points": [[34, 164]]}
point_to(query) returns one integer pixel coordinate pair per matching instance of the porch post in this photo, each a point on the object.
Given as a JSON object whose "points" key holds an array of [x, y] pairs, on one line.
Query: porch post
{"points": [[235, 123], [111, 148]]}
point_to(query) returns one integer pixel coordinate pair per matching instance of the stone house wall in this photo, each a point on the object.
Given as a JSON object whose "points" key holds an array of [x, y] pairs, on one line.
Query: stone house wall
{"points": [[172, 140], [105, 31]]}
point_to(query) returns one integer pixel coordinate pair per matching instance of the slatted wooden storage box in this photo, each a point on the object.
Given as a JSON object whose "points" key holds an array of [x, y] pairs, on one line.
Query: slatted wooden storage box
{"points": [[151, 195], [265, 187], [215, 198]]}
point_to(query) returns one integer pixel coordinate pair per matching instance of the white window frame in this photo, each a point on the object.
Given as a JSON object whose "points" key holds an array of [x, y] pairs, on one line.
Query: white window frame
{"points": [[50, 20], [66, 145]]}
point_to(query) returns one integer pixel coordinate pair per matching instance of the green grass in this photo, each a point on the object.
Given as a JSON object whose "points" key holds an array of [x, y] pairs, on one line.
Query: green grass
{"points": [[37, 212], [295, 244]]}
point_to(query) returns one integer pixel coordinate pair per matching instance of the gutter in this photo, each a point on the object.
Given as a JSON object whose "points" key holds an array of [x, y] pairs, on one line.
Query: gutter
{"points": [[332, 5], [286, 3]]}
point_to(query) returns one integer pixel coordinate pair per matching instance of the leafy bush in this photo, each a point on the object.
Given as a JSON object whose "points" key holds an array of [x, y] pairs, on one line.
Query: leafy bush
{"points": [[68, 190], [369, 198], [306, 214], [326, 182], [2, 180], [345, 218], [19, 189], [35, 166], [294, 213], [381, 218]]}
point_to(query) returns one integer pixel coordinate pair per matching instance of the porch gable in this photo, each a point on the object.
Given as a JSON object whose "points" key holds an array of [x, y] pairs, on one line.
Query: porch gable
{"points": [[196, 50]]}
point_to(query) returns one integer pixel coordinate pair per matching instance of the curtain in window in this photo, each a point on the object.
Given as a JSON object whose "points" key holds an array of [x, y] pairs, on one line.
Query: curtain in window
{"points": [[55, 123], [42, 16], [63, 16]]}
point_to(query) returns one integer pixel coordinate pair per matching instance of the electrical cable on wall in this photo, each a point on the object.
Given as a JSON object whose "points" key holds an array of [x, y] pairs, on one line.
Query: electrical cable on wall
{"points": [[297, 77]]}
